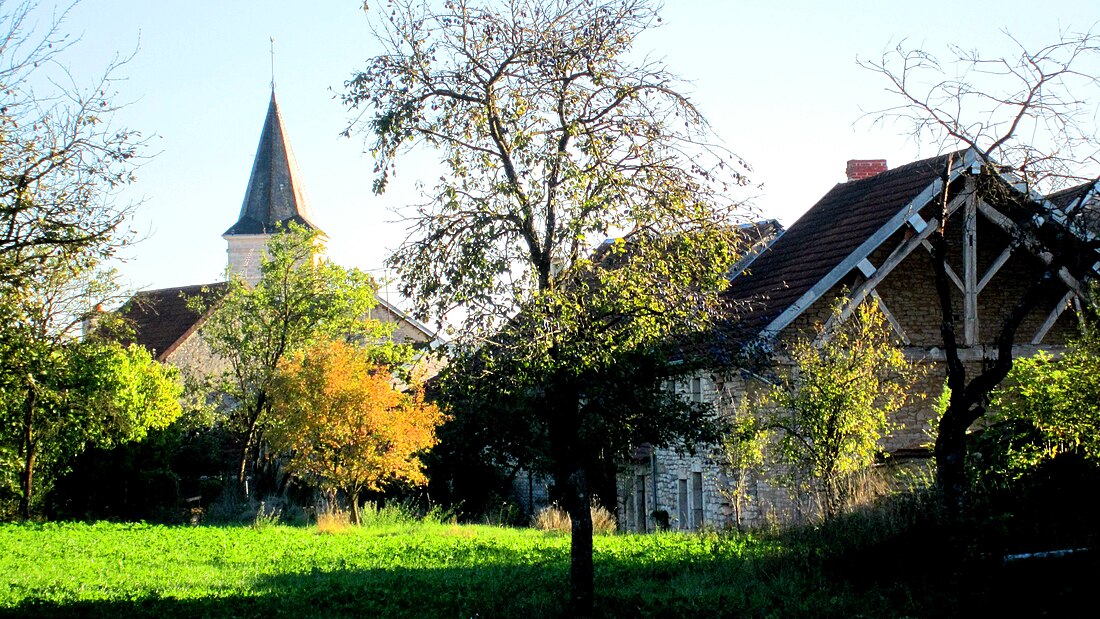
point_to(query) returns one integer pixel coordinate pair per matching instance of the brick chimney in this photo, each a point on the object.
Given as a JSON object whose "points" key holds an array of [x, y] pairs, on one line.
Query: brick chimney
{"points": [[859, 169]]}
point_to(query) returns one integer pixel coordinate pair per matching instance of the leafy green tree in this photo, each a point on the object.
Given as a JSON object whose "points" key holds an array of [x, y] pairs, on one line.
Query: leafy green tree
{"points": [[61, 166], [826, 415], [744, 447], [60, 395], [300, 299], [1051, 406], [550, 138], [346, 424]]}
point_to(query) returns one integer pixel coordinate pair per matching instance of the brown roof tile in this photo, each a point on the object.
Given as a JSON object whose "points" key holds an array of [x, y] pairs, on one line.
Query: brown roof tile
{"points": [[822, 238], [161, 319]]}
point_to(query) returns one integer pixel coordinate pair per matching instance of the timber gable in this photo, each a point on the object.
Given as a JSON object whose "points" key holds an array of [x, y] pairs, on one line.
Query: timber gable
{"points": [[870, 239]]}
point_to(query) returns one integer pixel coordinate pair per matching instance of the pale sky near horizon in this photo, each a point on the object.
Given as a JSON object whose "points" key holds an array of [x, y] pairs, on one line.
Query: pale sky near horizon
{"points": [[777, 80]]}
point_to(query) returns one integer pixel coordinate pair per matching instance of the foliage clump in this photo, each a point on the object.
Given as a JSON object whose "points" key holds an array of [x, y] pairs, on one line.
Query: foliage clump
{"points": [[1048, 407], [300, 299], [823, 419], [346, 424]]}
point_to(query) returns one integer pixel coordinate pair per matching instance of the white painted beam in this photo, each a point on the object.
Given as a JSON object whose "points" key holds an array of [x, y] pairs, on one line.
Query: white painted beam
{"points": [[1031, 244], [894, 324], [970, 271], [1055, 314], [896, 258], [996, 266]]}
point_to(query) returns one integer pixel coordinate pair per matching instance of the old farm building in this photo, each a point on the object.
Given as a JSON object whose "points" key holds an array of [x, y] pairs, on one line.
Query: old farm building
{"points": [[868, 238]]}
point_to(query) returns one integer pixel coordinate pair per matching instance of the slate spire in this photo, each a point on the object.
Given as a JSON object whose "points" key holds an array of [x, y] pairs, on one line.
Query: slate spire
{"points": [[274, 195]]}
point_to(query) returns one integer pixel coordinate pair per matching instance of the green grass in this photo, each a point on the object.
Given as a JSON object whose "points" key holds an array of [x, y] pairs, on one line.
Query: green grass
{"points": [[407, 569]]}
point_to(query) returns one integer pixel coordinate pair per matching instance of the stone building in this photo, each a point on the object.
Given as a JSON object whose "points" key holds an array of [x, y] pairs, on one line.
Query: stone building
{"points": [[868, 239], [274, 198]]}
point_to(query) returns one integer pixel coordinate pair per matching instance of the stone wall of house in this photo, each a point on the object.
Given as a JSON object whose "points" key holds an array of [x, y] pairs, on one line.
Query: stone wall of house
{"points": [[403, 332], [662, 479], [530, 492], [194, 358], [685, 490]]}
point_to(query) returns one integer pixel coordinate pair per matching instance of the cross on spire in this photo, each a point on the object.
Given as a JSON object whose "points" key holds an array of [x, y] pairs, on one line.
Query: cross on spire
{"points": [[272, 38]]}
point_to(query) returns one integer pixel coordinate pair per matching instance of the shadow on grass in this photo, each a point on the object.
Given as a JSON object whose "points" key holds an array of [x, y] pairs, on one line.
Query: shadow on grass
{"points": [[891, 577], [631, 587], [447, 592]]}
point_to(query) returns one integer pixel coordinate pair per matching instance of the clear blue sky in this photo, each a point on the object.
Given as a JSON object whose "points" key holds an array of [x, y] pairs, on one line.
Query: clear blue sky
{"points": [[778, 81]]}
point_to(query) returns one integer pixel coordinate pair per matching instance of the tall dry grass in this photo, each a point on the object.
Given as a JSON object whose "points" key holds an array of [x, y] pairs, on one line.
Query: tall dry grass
{"points": [[554, 518]]}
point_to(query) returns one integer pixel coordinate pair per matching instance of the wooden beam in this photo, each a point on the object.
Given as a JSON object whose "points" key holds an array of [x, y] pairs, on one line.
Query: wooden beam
{"points": [[970, 271], [996, 266], [950, 272], [895, 259], [894, 324], [979, 353], [952, 206], [1030, 243], [1055, 314]]}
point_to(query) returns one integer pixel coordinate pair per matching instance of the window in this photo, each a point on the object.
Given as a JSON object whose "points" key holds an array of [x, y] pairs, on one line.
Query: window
{"points": [[696, 389], [697, 500], [682, 515]]}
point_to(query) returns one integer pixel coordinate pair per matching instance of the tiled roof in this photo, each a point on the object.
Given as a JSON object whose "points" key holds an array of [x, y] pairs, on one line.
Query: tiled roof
{"points": [[1068, 199], [1080, 205], [274, 196], [161, 319], [823, 237]]}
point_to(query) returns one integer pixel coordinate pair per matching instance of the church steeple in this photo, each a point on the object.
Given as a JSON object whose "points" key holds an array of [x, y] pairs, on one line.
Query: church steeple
{"points": [[274, 198], [274, 195]]}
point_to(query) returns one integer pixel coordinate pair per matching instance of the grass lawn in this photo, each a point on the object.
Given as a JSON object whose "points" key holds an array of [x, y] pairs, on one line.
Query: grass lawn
{"points": [[435, 570]]}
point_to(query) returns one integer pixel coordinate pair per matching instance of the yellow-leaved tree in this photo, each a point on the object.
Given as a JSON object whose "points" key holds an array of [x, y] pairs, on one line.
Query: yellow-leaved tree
{"points": [[347, 424]]}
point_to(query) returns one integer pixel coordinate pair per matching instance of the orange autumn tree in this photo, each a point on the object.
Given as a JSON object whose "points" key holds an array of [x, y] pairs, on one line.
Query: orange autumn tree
{"points": [[346, 424]]}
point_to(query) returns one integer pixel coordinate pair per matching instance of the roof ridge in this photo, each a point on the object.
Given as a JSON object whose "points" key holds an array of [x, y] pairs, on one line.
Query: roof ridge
{"points": [[908, 167], [179, 288]]}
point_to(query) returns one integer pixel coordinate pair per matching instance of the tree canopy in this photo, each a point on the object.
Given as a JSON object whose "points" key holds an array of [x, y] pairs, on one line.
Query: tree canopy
{"points": [[552, 136], [550, 139], [346, 424], [59, 398], [62, 161], [1050, 406], [824, 418], [300, 299]]}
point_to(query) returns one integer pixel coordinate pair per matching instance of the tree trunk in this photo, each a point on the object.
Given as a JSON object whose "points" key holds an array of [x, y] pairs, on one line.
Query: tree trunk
{"points": [[581, 571], [967, 403], [353, 497], [29, 454], [571, 481], [242, 472], [250, 443], [950, 453]]}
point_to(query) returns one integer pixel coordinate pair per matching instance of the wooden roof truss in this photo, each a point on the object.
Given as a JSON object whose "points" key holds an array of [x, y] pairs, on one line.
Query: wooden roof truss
{"points": [[919, 229]]}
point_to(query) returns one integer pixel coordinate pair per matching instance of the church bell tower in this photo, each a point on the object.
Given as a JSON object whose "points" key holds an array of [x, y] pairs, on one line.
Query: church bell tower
{"points": [[274, 199]]}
